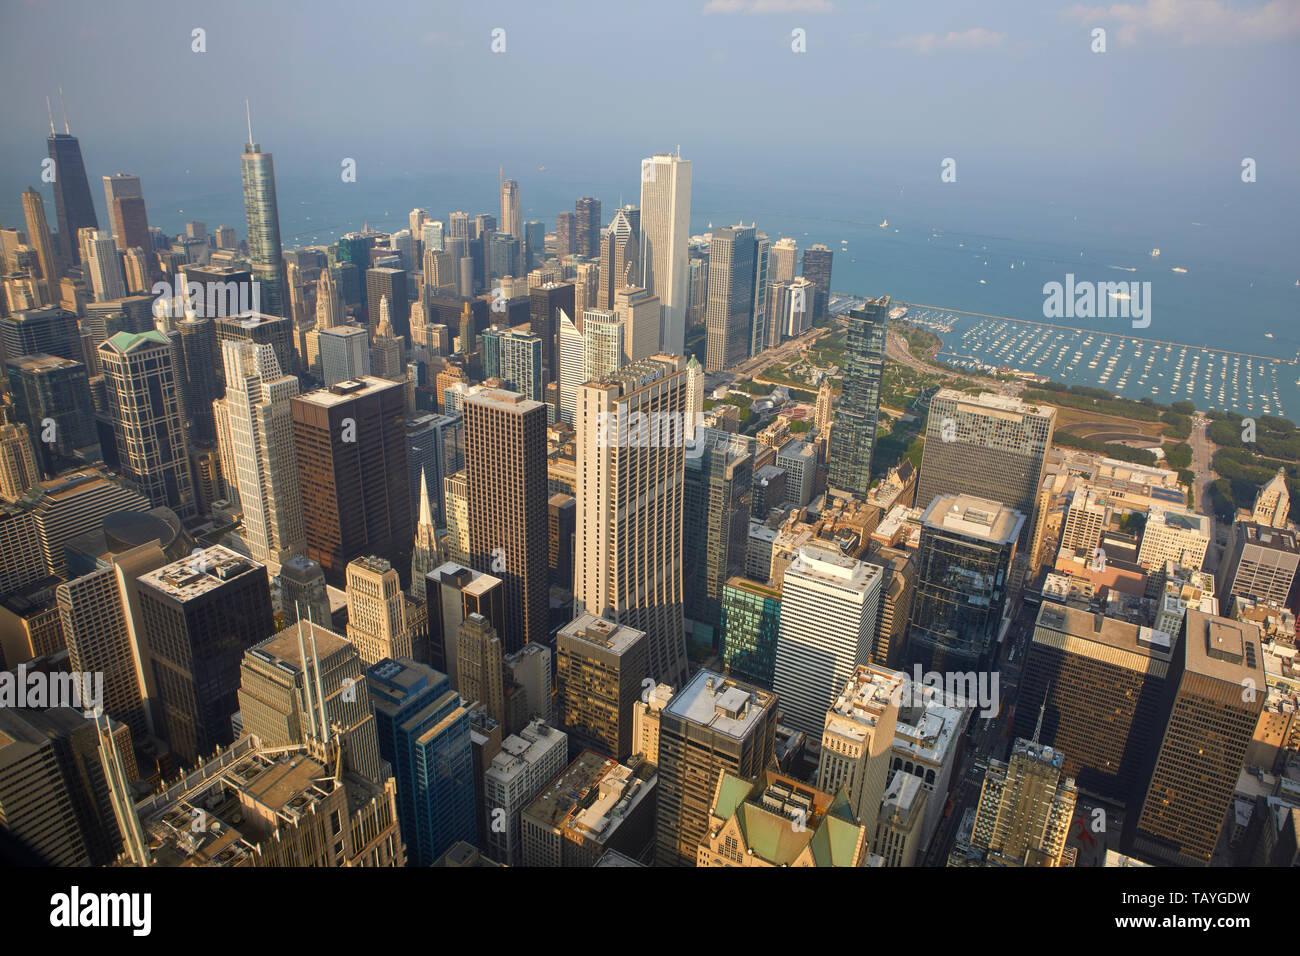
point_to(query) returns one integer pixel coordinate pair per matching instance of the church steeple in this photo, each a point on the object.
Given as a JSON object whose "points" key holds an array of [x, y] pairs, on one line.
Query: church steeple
{"points": [[427, 554]]}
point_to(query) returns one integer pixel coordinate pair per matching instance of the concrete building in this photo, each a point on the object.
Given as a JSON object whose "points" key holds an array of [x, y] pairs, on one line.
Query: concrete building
{"points": [[377, 618], [857, 741], [524, 765], [1260, 563], [600, 669], [712, 724], [829, 606], [665, 231], [596, 806]]}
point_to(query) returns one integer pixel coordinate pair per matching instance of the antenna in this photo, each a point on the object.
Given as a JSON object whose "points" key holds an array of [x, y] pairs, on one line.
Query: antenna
{"points": [[306, 674], [64, 107], [320, 690], [249, 114], [51, 112]]}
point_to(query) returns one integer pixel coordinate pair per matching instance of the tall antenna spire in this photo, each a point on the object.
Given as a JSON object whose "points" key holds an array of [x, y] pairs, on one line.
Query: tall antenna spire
{"points": [[1038, 728], [64, 106], [249, 113], [51, 112]]}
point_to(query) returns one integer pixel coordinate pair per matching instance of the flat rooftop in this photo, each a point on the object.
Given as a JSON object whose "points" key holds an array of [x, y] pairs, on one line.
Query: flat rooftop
{"points": [[722, 705], [1278, 539], [994, 401], [616, 638], [347, 390], [1098, 629], [974, 517], [863, 701], [200, 572]]}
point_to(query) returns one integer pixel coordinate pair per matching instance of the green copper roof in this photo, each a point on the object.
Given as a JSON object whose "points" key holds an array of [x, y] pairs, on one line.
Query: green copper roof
{"points": [[732, 791], [125, 341]]}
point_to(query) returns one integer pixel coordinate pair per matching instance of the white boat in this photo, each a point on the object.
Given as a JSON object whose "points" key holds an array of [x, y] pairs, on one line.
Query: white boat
{"points": [[1155, 253], [884, 224]]}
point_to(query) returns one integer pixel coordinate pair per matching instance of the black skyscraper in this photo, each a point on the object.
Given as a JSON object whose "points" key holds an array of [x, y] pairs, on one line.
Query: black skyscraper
{"points": [[72, 199]]}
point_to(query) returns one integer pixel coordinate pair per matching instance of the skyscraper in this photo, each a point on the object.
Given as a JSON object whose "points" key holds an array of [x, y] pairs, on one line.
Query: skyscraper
{"points": [[511, 220], [784, 252], [52, 398], [565, 234], [424, 733], [344, 353], [1211, 704], [599, 671], [1025, 809], [715, 530], [383, 282], [620, 249], [38, 233], [854, 436], [712, 724], [962, 572], [377, 619], [105, 267], [257, 427], [858, 738], [350, 442], [480, 673], [72, 199], [121, 186], [18, 470], [505, 455], [817, 270], [148, 418], [666, 230], [990, 446], [730, 305], [198, 616], [545, 304], [751, 626], [630, 495], [257, 170], [587, 226], [829, 604]]}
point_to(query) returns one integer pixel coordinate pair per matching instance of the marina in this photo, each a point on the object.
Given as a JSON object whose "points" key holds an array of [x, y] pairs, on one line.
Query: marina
{"points": [[1127, 365]]}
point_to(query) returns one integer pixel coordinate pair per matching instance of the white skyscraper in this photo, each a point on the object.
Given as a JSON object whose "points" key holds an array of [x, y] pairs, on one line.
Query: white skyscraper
{"points": [[665, 232], [256, 428], [572, 367], [602, 337], [631, 482], [344, 353], [828, 621], [105, 265]]}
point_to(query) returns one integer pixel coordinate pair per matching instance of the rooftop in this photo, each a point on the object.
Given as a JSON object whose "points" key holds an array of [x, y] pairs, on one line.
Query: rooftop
{"points": [[973, 517], [198, 573], [722, 705], [347, 391]]}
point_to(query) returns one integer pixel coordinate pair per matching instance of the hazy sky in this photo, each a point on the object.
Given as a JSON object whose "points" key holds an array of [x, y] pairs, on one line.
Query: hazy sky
{"points": [[1185, 90]]}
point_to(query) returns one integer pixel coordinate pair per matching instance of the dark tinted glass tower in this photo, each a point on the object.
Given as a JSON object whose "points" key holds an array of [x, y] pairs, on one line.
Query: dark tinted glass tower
{"points": [[198, 616], [258, 172], [962, 567], [72, 199], [817, 270], [350, 443], [544, 305], [730, 305], [52, 391], [587, 226], [854, 433]]}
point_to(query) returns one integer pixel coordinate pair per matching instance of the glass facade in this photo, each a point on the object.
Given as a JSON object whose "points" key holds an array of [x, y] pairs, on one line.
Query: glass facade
{"points": [[751, 623], [853, 434]]}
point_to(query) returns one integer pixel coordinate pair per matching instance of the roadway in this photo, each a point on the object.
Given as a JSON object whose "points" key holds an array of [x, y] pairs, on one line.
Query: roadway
{"points": [[1202, 455]]}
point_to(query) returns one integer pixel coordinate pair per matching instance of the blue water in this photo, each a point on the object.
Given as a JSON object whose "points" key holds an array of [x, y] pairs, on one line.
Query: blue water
{"points": [[951, 246]]}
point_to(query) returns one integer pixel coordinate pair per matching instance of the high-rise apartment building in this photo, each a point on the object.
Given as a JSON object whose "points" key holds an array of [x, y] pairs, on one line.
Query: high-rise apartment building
{"points": [[350, 442], [144, 401], [853, 439], [600, 667], [817, 270], [713, 724], [630, 505], [829, 606], [505, 457], [665, 230]]}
